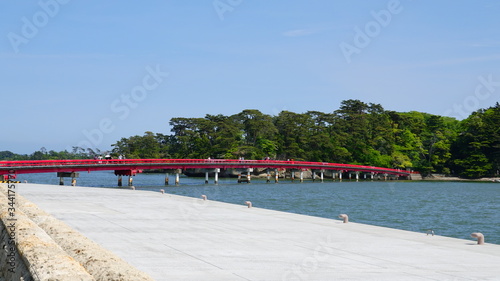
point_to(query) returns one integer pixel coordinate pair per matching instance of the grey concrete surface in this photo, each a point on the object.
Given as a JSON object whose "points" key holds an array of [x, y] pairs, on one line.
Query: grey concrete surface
{"points": [[179, 238]]}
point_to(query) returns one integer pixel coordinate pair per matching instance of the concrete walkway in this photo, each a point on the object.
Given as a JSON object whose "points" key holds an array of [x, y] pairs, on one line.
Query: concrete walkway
{"points": [[179, 238]]}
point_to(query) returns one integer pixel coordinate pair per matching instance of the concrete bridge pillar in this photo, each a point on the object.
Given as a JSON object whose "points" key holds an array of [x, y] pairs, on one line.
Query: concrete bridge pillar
{"points": [[177, 176], [268, 176], [166, 178], [357, 176], [321, 175], [71, 175], [314, 175], [340, 175], [130, 180], [371, 175], [276, 175], [121, 173], [216, 179], [249, 175], [244, 174], [301, 175], [292, 174], [206, 177]]}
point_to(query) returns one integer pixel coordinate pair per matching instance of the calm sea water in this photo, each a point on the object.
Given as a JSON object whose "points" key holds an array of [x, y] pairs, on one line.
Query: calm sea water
{"points": [[453, 209]]}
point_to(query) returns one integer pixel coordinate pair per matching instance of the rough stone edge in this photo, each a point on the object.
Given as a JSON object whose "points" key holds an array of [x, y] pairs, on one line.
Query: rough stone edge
{"points": [[43, 258], [101, 263], [12, 266]]}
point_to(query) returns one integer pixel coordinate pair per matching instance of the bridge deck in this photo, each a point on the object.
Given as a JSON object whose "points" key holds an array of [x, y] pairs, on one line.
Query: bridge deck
{"points": [[45, 166]]}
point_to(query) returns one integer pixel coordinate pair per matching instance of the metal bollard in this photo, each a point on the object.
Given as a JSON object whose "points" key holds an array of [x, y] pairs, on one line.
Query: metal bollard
{"points": [[345, 217], [479, 236]]}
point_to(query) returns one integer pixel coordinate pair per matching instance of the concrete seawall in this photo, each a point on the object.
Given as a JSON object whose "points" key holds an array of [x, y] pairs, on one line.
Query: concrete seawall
{"points": [[178, 238], [48, 249], [35, 254]]}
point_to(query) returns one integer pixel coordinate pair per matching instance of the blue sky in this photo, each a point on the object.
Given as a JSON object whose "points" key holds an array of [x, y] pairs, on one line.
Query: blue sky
{"points": [[91, 72]]}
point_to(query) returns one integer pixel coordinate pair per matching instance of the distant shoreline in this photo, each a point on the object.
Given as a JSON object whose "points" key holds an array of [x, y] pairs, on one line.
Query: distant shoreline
{"points": [[446, 178]]}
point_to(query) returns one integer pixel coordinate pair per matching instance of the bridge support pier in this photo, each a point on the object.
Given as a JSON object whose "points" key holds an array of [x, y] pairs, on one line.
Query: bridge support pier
{"points": [[71, 175], [340, 175], [314, 176], [216, 176], [321, 175], [206, 177], [268, 176], [177, 178], [292, 175], [166, 178], [128, 173], [276, 175], [249, 174], [301, 176], [244, 175], [357, 176]]}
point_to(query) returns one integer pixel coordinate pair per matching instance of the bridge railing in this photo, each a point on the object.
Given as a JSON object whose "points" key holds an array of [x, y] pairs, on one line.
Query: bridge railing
{"points": [[222, 162]]}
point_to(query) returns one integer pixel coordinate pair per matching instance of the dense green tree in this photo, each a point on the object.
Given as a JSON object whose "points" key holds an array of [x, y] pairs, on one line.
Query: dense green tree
{"points": [[476, 151], [7, 155], [148, 146], [43, 154], [353, 122], [191, 137], [259, 132], [294, 131], [226, 136]]}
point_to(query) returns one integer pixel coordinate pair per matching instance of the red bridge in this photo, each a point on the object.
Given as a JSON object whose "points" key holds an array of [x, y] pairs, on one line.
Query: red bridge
{"points": [[129, 167]]}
